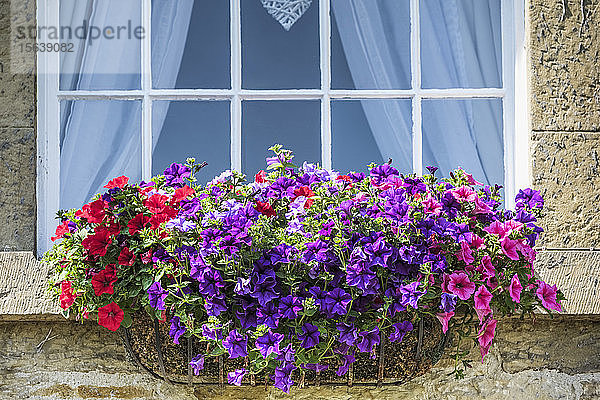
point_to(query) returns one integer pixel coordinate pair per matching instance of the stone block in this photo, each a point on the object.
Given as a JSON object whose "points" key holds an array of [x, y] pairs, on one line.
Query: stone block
{"points": [[564, 45], [577, 274], [17, 67], [566, 168], [17, 189]]}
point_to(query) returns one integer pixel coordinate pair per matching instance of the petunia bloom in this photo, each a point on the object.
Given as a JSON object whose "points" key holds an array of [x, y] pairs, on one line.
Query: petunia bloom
{"points": [[177, 329], [119, 182], [486, 335], [400, 330], [461, 286], [67, 297], [197, 364], [110, 316], [268, 343], [310, 336], [103, 281], [235, 377], [236, 344], [547, 295], [176, 173], [482, 299], [444, 318], [157, 296], [368, 339], [515, 289]]}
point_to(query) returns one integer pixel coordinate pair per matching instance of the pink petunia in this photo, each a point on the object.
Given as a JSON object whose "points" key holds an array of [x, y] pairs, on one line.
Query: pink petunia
{"points": [[486, 335], [486, 268], [477, 242], [497, 228], [509, 248], [460, 285], [547, 294], [513, 225], [465, 254], [444, 319], [472, 180], [481, 207], [431, 206], [464, 193], [515, 289], [482, 299]]}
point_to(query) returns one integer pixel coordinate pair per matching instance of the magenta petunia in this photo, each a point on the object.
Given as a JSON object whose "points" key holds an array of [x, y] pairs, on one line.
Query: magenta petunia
{"points": [[486, 335], [482, 299], [444, 319], [547, 295], [464, 193], [461, 286], [515, 289], [465, 253], [509, 248]]}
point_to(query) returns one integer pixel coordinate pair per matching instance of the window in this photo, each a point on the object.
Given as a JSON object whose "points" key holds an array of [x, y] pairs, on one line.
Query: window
{"points": [[352, 81]]}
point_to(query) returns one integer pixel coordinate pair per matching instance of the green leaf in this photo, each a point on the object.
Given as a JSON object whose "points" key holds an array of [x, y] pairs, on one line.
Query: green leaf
{"points": [[126, 323]]}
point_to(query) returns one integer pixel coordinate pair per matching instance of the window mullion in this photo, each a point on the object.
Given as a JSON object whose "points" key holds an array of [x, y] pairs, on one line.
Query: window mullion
{"points": [[236, 84], [325, 58], [415, 60], [146, 57]]}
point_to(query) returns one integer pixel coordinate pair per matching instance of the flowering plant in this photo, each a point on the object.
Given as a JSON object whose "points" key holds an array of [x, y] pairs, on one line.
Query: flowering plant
{"points": [[303, 267]]}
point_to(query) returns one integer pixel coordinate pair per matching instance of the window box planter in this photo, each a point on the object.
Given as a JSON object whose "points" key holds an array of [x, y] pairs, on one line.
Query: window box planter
{"points": [[304, 276]]}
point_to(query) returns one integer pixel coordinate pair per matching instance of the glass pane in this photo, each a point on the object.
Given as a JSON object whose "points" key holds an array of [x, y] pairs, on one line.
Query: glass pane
{"points": [[294, 124], [461, 43], [190, 44], [274, 58], [367, 131], [370, 44], [99, 140], [465, 133], [198, 129], [102, 41]]}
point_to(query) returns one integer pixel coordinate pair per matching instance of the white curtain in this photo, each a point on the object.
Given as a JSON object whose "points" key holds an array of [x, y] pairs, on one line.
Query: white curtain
{"points": [[459, 46], [101, 139]]}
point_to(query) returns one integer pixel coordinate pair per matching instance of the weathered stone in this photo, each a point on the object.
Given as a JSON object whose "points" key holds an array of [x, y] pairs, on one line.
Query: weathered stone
{"points": [[67, 360], [23, 284], [566, 343], [564, 43], [17, 66], [566, 168], [577, 274], [17, 189]]}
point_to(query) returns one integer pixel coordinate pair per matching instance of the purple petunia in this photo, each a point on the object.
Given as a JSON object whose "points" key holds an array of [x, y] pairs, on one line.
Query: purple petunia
{"points": [[175, 174], [289, 306], [197, 364], [310, 336], [368, 339], [177, 329], [157, 296], [400, 330], [268, 343], [236, 344], [235, 377], [348, 334], [337, 301]]}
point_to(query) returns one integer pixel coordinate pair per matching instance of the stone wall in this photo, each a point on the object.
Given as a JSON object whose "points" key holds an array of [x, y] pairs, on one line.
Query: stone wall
{"points": [[551, 359], [17, 134]]}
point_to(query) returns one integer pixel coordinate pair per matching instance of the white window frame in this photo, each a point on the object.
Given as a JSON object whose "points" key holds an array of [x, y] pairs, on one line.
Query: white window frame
{"points": [[513, 93]]}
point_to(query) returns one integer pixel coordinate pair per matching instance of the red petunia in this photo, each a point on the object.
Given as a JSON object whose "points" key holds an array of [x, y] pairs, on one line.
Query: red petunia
{"points": [[103, 281], [110, 316], [182, 193], [94, 212], [166, 214], [67, 297], [305, 192], [137, 223], [260, 177], [126, 257], [61, 230], [97, 243], [156, 203], [265, 208], [344, 178], [119, 182]]}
